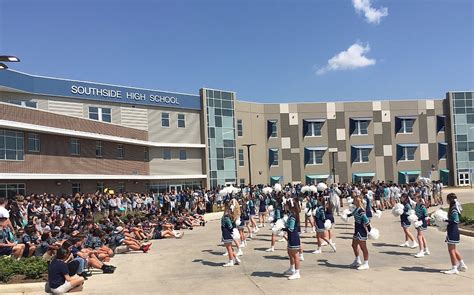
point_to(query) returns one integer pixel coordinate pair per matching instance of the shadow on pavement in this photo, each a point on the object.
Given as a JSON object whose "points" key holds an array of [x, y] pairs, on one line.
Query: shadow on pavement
{"points": [[420, 269], [207, 263], [266, 274], [326, 263], [396, 253], [277, 257], [260, 249], [213, 252], [385, 245], [345, 238]]}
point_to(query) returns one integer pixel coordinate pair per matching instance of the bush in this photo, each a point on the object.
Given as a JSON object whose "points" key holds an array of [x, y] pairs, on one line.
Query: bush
{"points": [[31, 268]]}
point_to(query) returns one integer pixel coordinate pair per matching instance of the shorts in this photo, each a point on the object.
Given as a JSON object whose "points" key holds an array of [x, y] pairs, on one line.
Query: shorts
{"points": [[64, 288], [158, 236], [360, 234], [6, 251], [452, 234]]}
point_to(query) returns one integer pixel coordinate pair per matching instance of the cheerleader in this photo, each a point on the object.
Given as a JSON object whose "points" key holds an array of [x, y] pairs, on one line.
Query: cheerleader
{"points": [[234, 208], [244, 219], [309, 207], [422, 214], [319, 219], [368, 197], [330, 216], [294, 243], [227, 228], [361, 229], [262, 210], [253, 224], [452, 237], [405, 223], [277, 214]]}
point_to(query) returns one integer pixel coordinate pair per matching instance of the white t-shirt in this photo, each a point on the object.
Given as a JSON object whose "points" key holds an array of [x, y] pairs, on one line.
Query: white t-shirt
{"points": [[4, 213]]}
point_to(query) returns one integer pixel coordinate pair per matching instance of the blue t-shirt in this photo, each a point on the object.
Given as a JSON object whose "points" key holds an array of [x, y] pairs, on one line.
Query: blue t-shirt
{"points": [[56, 271]]}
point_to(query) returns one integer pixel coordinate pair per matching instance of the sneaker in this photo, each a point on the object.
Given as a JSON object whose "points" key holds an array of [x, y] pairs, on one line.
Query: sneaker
{"points": [[355, 263], [333, 246], [240, 253], [294, 276], [406, 244], [420, 254], [256, 230], [324, 243], [225, 254], [415, 245], [427, 252], [228, 264], [289, 272], [270, 250], [282, 240], [237, 261], [363, 267], [462, 267], [301, 257], [318, 251], [452, 271], [108, 269]]}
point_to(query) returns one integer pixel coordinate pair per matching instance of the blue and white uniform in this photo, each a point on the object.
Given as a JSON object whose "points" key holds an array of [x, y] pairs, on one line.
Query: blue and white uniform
{"points": [[360, 221], [251, 206], [291, 228], [404, 217], [319, 219], [421, 213], [244, 218], [262, 208], [329, 215], [368, 207], [226, 228], [452, 236]]}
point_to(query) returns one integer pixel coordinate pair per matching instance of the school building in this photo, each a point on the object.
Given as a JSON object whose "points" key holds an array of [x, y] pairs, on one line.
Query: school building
{"points": [[64, 136]]}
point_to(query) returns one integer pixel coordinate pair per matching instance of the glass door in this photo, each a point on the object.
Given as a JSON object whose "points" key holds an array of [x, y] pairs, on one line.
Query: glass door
{"points": [[463, 179]]}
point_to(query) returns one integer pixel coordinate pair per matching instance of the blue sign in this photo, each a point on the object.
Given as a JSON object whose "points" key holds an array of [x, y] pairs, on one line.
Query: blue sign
{"points": [[95, 91]]}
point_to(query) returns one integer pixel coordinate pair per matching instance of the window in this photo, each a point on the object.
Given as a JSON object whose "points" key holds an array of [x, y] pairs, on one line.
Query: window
{"points": [[442, 150], [10, 190], [165, 119], [121, 187], [360, 127], [182, 155], [98, 148], [405, 125], [312, 128], [241, 158], [100, 187], [146, 156], [273, 157], [240, 128], [11, 145], [272, 128], [100, 114], [440, 123], [24, 103], [75, 147], [406, 152], [76, 188], [242, 181], [166, 154], [360, 154], [313, 156], [181, 121], [120, 151], [33, 142]]}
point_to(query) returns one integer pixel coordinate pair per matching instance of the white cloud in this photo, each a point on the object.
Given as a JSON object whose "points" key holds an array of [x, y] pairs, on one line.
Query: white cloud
{"points": [[352, 58], [372, 15]]}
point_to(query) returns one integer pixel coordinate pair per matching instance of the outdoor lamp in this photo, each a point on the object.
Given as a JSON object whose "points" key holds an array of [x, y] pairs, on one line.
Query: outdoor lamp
{"points": [[3, 66], [9, 58]]}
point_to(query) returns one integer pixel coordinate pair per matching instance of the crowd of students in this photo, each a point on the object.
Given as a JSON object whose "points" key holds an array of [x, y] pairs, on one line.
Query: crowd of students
{"points": [[283, 207], [76, 234]]}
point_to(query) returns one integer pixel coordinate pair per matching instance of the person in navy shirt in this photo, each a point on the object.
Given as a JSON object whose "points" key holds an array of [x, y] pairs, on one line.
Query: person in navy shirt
{"points": [[405, 223], [361, 230], [58, 274], [452, 235], [422, 213], [294, 243]]}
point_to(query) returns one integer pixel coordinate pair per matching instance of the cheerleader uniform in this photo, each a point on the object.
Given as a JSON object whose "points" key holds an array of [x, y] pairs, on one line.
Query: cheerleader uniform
{"points": [[452, 236], [361, 219], [404, 217], [329, 215], [319, 219], [291, 228], [262, 208], [368, 207], [251, 206], [226, 228], [243, 219], [421, 213]]}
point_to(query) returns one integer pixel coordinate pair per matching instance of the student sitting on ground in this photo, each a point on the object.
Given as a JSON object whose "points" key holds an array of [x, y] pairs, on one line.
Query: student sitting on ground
{"points": [[58, 274]]}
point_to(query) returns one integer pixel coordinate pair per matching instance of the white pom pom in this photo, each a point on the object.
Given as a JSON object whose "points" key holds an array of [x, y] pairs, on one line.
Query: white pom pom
{"points": [[352, 207], [285, 218], [418, 223], [374, 234], [270, 208], [235, 234], [309, 213], [277, 187], [236, 190], [350, 200], [321, 187], [346, 211], [313, 212], [278, 226], [238, 222], [378, 213], [397, 210], [281, 234], [344, 218], [442, 226], [305, 189], [412, 218], [306, 210], [412, 203], [267, 190], [327, 224], [271, 218], [313, 188]]}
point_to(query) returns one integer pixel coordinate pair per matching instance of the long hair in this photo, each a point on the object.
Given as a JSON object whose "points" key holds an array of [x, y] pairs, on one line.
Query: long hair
{"points": [[294, 207], [451, 198]]}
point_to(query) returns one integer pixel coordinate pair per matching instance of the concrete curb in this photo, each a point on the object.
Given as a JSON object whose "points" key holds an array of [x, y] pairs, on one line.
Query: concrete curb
{"points": [[24, 288], [213, 216], [466, 232]]}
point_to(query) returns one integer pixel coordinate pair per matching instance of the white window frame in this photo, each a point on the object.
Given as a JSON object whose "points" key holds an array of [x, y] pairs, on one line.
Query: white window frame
{"points": [[312, 129], [182, 120], [20, 188], [312, 156], [359, 152], [100, 114], [76, 187], [404, 126], [19, 150], [241, 158], [163, 119], [75, 147], [405, 153], [35, 137], [275, 158], [121, 187], [100, 186], [274, 133], [357, 129], [240, 128], [24, 103]]}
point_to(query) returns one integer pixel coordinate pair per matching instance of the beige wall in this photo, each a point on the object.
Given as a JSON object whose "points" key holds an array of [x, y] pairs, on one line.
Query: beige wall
{"points": [[191, 166]]}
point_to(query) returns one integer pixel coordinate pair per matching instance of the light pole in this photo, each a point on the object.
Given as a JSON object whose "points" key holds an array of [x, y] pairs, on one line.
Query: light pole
{"points": [[7, 58], [333, 170], [248, 145]]}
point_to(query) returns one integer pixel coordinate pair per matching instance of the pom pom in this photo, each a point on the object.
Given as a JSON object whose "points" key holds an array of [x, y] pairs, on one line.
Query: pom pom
{"points": [[270, 219], [267, 190], [378, 213], [277, 187], [352, 207], [281, 233], [321, 187], [327, 224], [346, 211], [439, 218], [270, 208], [374, 234], [313, 212], [313, 188], [418, 223], [305, 189], [350, 200], [235, 234], [412, 203], [238, 222], [412, 217], [285, 218], [397, 210], [309, 213], [278, 226], [344, 217], [306, 210]]}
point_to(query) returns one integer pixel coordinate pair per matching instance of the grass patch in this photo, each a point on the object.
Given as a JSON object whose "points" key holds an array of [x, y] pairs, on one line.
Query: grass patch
{"points": [[31, 268], [467, 214]]}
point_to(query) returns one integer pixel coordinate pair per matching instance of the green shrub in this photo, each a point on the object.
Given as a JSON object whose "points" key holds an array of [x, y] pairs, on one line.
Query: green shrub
{"points": [[31, 268]]}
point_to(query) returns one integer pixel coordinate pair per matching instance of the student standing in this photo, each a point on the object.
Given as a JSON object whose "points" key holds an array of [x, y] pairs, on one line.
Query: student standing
{"points": [[452, 237]]}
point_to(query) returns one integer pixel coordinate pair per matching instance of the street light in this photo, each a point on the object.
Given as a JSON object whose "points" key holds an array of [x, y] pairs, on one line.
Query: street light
{"points": [[333, 170], [248, 145], [7, 58]]}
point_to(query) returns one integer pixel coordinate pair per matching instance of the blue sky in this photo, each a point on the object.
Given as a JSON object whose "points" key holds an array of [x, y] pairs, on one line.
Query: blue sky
{"points": [[265, 50]]}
